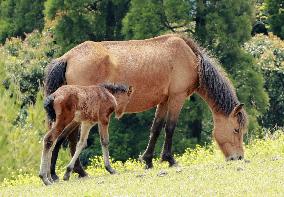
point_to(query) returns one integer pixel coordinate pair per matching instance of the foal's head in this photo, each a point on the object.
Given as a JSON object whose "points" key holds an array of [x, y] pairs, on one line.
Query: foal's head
{"points": [[122, 94], [229, 131]]}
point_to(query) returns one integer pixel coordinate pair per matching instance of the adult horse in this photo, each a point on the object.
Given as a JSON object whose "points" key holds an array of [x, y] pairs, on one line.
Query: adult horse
{"points": [[164, 71]]}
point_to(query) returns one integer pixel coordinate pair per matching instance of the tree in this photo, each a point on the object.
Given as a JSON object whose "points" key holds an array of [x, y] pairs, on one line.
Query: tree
{"points": [[269, 55], [78, 21], [20, 17], [275, 9], [150, 18]]}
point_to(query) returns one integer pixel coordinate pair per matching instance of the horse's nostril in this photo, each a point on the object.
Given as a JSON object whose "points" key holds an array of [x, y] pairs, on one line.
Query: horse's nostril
{"points": [[232, 159], [240, 157]]}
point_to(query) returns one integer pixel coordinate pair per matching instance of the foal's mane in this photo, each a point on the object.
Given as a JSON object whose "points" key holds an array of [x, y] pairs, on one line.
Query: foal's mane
{"points": [[115, 88]]}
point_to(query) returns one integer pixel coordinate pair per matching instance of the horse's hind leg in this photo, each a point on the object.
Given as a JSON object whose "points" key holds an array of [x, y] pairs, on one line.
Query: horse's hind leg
{"points": [[85, 129], [156, 128], [104, 137], [70, 130], [174, 107]]}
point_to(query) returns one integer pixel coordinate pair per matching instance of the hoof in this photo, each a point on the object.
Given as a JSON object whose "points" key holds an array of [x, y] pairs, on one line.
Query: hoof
{"points": [[50, 178], [175, 164], [147, 160], [83, 175], [148, 166], [80, 171], [67, 174], [55, 177], [169, 158], [110, 170], [45, 180]]}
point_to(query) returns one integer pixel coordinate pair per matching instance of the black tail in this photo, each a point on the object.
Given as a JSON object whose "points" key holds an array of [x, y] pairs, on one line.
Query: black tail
{"points": [[55, 76], [48, 106]]}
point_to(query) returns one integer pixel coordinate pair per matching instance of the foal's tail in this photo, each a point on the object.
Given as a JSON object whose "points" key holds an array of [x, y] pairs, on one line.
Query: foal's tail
{"points": [[48, 106], [55, 75]]}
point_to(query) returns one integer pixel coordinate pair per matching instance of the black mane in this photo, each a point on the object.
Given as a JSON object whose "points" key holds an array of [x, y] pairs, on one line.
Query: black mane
{"points": [[217, 86], [115, 88]]}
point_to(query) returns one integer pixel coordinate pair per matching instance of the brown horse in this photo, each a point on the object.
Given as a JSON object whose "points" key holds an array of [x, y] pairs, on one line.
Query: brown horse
{"points": [[87, 105], [164, 71]]}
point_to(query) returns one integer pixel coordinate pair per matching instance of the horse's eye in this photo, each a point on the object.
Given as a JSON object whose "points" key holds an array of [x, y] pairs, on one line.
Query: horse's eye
{"points": [[236, 131]]}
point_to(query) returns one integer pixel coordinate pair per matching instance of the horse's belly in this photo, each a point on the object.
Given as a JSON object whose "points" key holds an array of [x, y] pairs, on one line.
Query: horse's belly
{"points": [[139, 103]]}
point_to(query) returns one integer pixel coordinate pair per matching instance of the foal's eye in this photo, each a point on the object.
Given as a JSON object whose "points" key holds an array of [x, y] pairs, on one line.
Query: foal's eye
{"points": [[236, 131]]}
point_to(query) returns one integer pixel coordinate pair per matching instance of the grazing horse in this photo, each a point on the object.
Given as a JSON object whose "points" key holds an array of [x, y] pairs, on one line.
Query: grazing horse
{"points": [[87, 105], [164, 71]]}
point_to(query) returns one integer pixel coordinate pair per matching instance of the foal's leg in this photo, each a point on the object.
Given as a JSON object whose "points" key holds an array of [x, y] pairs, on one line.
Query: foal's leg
{"points": [[156, 128], [73, 139], [174, 107], [70, 130], [48, 142], [104, 137], [85, 129]]}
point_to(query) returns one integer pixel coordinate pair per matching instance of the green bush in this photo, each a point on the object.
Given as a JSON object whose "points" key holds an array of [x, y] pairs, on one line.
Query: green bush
{"points": [[269, 58]]}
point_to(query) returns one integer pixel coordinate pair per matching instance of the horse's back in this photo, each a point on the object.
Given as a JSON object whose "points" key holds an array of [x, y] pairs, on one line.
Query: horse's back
{"points": [[89, 62], [155, 67]]}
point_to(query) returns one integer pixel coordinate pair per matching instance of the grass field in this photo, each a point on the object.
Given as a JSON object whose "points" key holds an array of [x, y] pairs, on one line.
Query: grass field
{"points": [[202, 172]]}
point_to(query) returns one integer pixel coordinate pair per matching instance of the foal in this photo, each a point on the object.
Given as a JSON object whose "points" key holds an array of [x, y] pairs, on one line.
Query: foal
{"points": [[85, 104]]}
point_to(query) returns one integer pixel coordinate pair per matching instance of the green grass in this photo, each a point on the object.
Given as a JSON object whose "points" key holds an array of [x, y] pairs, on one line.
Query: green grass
{"points": [[202, 172]]}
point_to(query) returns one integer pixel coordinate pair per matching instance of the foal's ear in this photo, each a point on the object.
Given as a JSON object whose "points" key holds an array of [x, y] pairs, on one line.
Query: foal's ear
{"points": [[130, 90], [238, 108]]}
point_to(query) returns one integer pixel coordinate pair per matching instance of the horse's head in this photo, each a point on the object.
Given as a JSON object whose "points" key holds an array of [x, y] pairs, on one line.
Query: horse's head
{"points": [[122, 99], [229, 131]]}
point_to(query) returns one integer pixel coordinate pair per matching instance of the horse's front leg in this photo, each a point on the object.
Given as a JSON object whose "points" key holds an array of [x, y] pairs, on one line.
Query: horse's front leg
{"points": [[175, 104], [85, 129], [156, 128], [104, 138]]}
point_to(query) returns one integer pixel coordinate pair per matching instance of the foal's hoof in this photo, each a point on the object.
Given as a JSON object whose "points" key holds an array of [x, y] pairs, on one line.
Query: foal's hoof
{"points": [[45, 180], [66, 177], [67, 174], [50, 178]]}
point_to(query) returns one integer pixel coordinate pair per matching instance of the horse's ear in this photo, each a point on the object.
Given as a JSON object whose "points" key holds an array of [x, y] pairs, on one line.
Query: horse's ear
{"points": [[130, 90], [238, 108]]}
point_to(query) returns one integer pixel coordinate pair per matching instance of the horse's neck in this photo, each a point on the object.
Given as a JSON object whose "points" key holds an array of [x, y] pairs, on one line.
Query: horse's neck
{"points": [[210, 101]]}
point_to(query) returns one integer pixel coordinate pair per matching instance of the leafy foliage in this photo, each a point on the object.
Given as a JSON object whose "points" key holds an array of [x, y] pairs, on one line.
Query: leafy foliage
{"points": [[22, 122], [20, 17], [77, 21], [275, 10], [269, 56]]}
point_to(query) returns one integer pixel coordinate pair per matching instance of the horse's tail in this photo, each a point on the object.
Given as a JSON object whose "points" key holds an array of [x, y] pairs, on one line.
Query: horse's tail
{"points": [[48, 106], [55, 75]]}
